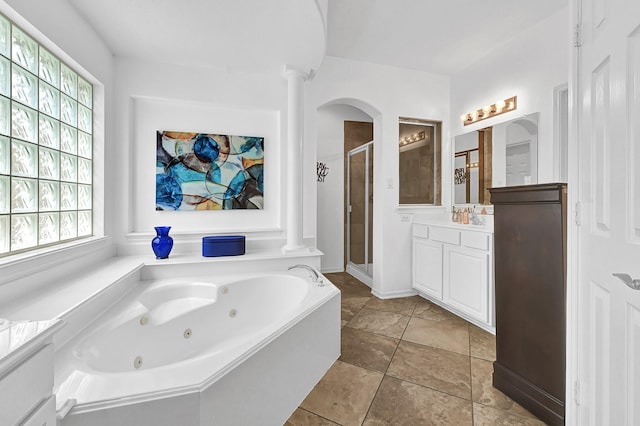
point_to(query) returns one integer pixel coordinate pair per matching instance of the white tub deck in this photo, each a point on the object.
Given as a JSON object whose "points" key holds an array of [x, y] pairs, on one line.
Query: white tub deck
{"points": [[269, 367]]}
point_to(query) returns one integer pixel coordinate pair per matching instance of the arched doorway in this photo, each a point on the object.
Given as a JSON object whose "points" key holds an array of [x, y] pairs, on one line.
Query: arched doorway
{"points": [[342, 176]]}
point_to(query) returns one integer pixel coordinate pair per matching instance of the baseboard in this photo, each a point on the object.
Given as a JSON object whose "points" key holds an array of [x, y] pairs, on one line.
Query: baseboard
{"points": [[540, 403], [393, 294]]}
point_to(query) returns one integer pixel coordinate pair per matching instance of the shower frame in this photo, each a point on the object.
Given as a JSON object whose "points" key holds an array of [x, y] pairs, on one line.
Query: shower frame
{"points": [[364, 271]]}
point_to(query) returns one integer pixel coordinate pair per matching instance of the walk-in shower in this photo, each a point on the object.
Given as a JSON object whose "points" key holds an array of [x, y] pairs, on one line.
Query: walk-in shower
{"points": [[359, 214]]}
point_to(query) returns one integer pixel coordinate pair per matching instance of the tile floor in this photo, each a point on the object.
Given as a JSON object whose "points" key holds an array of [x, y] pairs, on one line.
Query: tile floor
{"points": [[407, 362]]}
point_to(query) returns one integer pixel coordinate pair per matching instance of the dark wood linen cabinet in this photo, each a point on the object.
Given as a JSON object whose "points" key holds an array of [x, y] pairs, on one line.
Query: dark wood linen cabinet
{"points": [[530, 231]]}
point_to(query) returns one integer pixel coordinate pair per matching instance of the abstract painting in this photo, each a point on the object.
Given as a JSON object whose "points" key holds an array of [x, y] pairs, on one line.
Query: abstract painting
{"points": [[201, 171]]}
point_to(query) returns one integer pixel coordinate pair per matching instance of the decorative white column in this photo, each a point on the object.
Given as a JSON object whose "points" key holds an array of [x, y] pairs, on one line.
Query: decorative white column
{"points": [[295, 120]]}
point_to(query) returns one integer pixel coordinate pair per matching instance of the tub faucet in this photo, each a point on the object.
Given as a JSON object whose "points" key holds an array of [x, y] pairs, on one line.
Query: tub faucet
{"points": [[315, 275]]}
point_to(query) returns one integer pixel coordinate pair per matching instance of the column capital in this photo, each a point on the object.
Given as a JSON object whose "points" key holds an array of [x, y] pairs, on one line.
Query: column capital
{"points": [[294, 72]]}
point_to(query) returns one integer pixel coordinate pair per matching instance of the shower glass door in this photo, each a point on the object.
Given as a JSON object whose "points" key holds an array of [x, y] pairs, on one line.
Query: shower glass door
{"points": [[360, 212]]}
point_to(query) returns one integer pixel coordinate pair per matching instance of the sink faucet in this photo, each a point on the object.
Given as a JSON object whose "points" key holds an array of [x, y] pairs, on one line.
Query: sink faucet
{"points": [[315, 275]]}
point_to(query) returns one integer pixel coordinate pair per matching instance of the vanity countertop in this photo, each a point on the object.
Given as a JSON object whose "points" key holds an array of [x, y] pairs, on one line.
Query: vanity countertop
{"points": [[19, 339], [444, 220]]}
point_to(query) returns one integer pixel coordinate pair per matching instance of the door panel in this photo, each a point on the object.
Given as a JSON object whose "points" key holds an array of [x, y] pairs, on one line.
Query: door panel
{"points": [[360, 210], [357, 197], [427, 267], [633, 366], [609, 235], [634, 131], [467, 281]]}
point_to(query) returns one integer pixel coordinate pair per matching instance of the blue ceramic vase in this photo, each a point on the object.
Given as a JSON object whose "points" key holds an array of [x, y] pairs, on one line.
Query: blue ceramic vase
{"points": [[162, 243]]}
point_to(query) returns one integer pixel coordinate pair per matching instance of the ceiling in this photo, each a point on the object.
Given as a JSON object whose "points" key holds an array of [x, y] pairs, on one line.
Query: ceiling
{"points": [[245, 35], [441, 36]]}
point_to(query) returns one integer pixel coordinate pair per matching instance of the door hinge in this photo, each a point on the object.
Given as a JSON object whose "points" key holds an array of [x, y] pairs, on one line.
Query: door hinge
{"points": [[577, 214], [576, 392], [577, 36]]}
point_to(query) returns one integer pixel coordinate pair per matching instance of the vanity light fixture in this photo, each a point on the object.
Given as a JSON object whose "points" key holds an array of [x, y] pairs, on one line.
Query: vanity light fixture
{"points": [[412, 138], [488, 111]]}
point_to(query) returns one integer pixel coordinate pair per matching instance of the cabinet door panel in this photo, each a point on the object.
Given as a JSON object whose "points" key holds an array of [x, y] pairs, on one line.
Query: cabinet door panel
{"points": [[427, 267], [45, 414], [467, 281], [26, 386]]}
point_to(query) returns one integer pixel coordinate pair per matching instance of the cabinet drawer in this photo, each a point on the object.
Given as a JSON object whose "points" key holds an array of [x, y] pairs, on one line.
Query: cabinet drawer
{"points": [[421, 231], [477, 240], [26, 386], [445, 235]]}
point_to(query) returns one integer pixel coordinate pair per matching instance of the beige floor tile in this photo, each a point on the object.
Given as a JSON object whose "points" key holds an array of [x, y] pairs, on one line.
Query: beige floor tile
{"points": [[354, 300], [488, 416], [402, 403], [344, 394], [483, 392], [386, 323], [348, 312], [431, 379], [432, 367], [347, 283], [402, 306], [302, 417], [367, 350], [449, 335], [482, 343], [428, 310]]}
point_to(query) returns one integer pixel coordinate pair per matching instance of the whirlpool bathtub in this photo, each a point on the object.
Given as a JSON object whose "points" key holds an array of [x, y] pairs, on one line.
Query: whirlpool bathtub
{"points": [[194, 352]]}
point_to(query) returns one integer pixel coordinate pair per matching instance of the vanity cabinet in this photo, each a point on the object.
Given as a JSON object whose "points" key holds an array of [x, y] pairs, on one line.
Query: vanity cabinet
{"points": [[453, 267], [26, 373]]}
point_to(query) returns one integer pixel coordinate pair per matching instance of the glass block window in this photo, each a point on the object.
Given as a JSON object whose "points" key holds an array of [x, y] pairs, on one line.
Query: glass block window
{"points": [[46, 127]]}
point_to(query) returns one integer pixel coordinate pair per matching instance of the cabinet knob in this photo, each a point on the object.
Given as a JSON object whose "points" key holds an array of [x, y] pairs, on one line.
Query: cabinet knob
{"points": [[626, 278]]}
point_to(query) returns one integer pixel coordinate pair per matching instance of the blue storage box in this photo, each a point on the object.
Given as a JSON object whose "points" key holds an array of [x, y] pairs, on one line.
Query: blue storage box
{"points": [[223, 245]]}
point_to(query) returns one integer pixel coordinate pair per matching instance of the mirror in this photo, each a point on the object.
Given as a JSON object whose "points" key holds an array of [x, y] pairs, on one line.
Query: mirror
{"points": [[505, 154], [419, 162]]}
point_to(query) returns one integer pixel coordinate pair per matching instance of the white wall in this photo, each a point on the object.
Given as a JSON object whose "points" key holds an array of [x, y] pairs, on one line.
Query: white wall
{"points": [[385, 93], [331, 215], [153, 96], [529, 66]]}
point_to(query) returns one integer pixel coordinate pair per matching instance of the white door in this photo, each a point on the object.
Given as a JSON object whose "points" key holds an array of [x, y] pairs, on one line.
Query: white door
{"points": [[608, 145]]}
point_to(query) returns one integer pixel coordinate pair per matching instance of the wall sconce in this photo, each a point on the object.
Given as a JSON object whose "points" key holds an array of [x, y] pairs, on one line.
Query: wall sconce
{"points": [[412, 138], [500, 107]]}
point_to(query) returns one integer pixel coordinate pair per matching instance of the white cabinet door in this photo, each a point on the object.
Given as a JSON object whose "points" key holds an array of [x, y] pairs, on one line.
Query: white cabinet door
{"points": [[467, 281], [427, 267], [45, 415]]}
